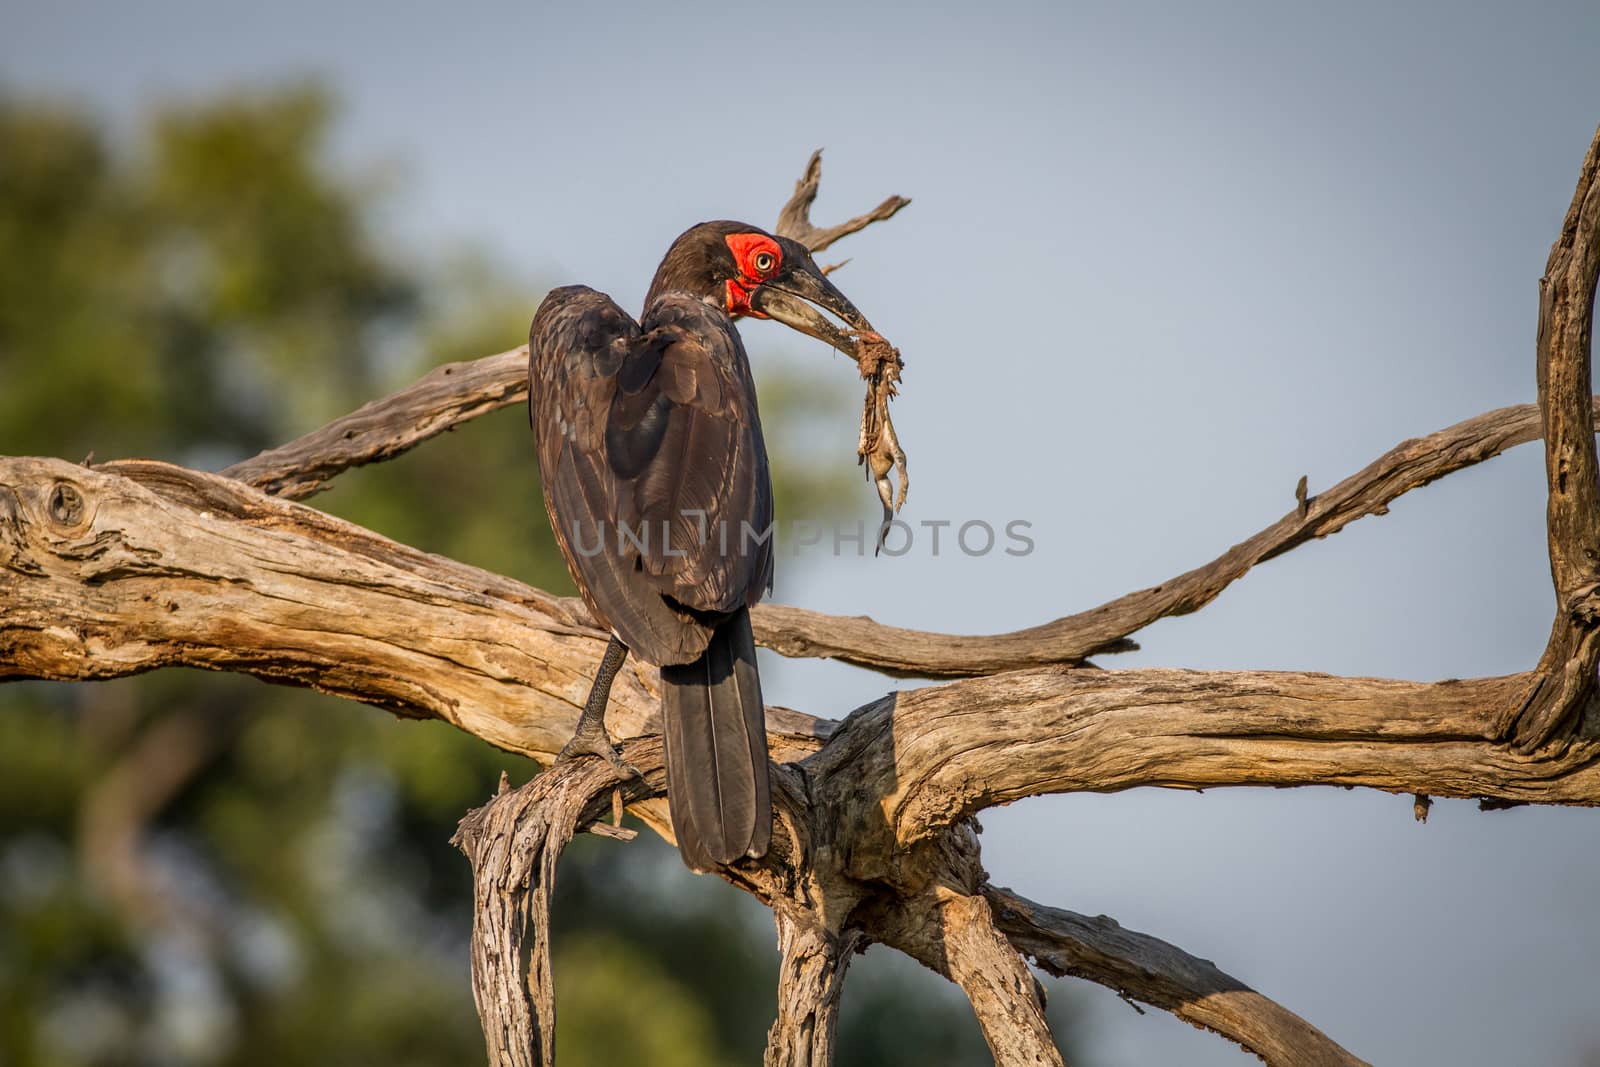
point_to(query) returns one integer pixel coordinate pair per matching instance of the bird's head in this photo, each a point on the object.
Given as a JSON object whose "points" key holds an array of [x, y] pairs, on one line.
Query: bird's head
{"points": [[747, 271]]}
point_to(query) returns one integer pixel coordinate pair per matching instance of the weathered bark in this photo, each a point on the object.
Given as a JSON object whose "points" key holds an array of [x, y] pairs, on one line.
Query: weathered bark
{"points": [[1562, 691], [156, 566], [954, 933], [169, 567], [922, 760], [514, 843], [132, 566], [811, 970]]}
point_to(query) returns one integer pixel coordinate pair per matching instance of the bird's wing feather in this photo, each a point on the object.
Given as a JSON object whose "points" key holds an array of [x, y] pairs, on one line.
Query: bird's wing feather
{"points": [[652, 434], [706, 483]]}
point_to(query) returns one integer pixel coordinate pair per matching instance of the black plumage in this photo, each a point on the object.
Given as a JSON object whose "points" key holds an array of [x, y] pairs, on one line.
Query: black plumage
{"points": [[656, 483]]}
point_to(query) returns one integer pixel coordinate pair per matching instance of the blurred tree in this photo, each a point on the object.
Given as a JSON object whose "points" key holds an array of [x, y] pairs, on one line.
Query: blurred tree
{"points": [[205, 870]]}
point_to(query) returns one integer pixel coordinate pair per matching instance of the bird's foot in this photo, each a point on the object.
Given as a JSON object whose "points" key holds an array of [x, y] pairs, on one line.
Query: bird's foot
{"points": [[597, 743]]}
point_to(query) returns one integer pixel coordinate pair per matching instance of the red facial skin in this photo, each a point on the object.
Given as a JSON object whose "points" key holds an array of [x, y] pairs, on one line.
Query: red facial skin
{"points": [[746, 248]]}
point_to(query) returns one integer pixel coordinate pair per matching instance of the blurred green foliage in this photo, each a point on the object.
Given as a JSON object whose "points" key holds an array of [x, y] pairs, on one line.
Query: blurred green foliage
{"points": [[200, 869]]}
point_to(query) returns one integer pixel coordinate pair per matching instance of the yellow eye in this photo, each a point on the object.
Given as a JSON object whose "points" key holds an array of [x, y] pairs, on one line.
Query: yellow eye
{"points": [[764, 262]]}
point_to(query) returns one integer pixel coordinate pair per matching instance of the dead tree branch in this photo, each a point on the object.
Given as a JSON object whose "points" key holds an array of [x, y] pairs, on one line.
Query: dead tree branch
{"points": [[1154, 972], [1563, 690], [795, 219], [952, 931], [132, 566], [923, 760], [457, 392], [514, 843], [154, 565], [160, 566], [1409, 465], [811, 969], [444, 397]]}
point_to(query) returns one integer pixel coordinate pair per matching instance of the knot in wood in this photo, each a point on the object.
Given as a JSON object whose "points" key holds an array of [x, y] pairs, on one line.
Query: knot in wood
{"points": [[65, 504], [1583, 606]]}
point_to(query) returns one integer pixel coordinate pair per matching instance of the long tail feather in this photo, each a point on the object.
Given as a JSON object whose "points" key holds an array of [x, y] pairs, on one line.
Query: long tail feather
{"points": [[714, 722]]}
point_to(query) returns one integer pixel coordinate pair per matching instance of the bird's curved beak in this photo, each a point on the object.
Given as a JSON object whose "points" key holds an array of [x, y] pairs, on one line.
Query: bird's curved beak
{"points": [[795, 301]]}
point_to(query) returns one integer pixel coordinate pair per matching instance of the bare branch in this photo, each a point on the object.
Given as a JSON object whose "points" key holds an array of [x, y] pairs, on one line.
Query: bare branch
{"points": [[1563, 691], [444, 397], [811, 970], [794, 221], [1005, 996], [187, 569], [155, 566], [917, 762], [179, 567], [515, 840], [457, 392], [183, 568], [1150, 970], [1370, 491], [514, 843], [138, 565]]}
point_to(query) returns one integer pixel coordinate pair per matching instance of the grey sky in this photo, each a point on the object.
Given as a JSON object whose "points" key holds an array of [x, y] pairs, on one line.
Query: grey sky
{"points": [[1163, 259]]}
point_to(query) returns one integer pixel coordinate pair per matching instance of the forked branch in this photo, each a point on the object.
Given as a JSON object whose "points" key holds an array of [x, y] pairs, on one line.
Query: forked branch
{"points": [[794, 220], [131, 566]]}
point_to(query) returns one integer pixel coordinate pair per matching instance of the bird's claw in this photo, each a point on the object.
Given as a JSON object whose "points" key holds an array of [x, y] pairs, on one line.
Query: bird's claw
{"points": [[597, 743]]}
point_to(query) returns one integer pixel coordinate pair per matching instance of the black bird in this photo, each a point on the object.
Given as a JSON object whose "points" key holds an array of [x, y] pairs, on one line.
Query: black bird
{"points": [[656, 482]]}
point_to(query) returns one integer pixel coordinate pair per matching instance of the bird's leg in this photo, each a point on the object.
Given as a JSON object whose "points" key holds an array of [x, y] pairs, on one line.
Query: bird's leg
{"points": [[591, 738]]}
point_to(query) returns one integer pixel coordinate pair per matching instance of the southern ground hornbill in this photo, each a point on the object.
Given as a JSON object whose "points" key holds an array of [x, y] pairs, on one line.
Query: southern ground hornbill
{"points": [[656, 482]]}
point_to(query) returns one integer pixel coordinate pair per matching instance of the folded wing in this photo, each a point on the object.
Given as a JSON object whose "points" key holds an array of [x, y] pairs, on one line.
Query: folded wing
{"points": [[655, 475]]}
